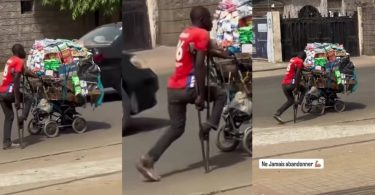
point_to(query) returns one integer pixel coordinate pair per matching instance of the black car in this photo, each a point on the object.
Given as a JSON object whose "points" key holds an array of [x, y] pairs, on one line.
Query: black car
{"points": [[106, 43], [139, 87], [136, 86]]}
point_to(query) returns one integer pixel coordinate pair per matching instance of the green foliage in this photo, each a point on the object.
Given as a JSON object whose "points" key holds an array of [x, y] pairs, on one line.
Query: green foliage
{"points": [[82, 7]]}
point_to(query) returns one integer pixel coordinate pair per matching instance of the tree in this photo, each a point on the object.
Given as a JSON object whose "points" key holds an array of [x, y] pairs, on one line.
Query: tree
{"points": [[82, 7]]}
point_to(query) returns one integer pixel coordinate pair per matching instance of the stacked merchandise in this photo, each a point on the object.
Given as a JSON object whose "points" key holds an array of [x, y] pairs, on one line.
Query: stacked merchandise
{"points": [[233, 26], [331, 60], [60, 62]]}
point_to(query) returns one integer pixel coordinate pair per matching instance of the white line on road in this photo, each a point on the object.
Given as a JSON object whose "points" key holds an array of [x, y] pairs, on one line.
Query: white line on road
{"points": [[278, 135], [60, 172]]}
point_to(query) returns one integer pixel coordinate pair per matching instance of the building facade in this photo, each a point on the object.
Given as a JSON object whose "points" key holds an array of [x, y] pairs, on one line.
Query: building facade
{"points": [[24, 21], [174, 17]]}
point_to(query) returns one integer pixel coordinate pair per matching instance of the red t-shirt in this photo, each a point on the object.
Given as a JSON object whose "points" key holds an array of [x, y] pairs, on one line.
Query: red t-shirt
{"points": [[294, 64], [13, 65], [183, 76]]}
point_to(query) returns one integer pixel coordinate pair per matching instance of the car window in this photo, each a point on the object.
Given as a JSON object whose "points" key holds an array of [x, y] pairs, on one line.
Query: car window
{"points": [[105, 35]]}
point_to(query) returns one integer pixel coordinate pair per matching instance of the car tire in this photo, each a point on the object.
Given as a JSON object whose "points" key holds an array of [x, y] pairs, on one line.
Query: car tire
{"points": [[125, 109]]}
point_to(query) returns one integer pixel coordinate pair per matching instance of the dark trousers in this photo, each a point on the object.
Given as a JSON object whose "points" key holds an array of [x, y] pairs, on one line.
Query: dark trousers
{"points": [[6, 100], [177, 103], [288, 92]]}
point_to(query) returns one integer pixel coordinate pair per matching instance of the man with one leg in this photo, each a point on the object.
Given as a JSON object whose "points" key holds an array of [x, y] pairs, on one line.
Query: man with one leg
{"points": [[290, 84], [10, 93], [181, 88]]}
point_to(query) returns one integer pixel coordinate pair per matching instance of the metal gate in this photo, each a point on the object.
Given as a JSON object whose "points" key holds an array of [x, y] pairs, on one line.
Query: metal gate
{"points": [[296, 33], [260, 36], [136, 29]]}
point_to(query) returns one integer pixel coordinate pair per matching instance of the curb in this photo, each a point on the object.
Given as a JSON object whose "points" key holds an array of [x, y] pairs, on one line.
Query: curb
{"points": [[223, 190], [282, 135], [58, 153], [271, 69]]}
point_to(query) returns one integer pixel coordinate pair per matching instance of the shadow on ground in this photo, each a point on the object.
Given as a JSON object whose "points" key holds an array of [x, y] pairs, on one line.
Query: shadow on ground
{"points": [[143, 124], [32, 139], [91, 126], [221, 160], [350, 106]]}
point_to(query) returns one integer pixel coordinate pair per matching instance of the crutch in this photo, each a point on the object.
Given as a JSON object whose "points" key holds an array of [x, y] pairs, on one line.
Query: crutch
{"points": [[204, 139], [20, 124]]}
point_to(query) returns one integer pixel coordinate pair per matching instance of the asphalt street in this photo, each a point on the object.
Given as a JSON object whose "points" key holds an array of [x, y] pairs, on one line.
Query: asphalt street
{"points": [[180, 166], [268, 97]]}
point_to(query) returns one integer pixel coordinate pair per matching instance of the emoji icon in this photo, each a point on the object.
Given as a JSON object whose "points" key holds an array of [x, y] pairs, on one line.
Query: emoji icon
{"points": [[317, 164]]}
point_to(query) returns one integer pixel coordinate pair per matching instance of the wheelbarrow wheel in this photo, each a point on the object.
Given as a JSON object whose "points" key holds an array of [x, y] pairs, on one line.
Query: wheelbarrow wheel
{"points": [[339, 106], [33, 128], [248, 141], [51, 129], [79, 125], [225, 141], [306, 108]]}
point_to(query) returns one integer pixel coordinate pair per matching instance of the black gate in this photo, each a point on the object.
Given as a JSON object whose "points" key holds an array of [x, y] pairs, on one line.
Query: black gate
{"points": [[136, 29], [296, 33], [260, 36]]}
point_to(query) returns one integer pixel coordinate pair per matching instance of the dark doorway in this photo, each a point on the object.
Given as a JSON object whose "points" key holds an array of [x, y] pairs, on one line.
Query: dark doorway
{"points": [[260, 36], [136, 29]]}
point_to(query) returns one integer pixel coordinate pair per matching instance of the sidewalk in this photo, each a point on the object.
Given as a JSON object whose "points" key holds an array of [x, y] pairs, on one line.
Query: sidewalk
{"points": [[161, 61], [348, 168], [77, 172]]}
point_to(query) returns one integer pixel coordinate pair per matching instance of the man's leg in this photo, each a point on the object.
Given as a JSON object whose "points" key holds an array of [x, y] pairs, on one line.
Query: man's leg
{"points": [[219, 97], [9, 118], [177, 112], [28, 101], [303, 91], [288, 91]]}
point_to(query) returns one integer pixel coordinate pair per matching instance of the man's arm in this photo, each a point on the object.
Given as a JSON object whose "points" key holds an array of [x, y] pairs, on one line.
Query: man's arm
{"points": [[200, 72], [298, 77], [29, 73], [219, 53], [215, 51], [17, 82]]}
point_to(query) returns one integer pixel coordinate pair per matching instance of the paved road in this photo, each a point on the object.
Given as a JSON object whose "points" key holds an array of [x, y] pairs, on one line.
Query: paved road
{"points": [[181, 165], [268, 97], [104, 128]]}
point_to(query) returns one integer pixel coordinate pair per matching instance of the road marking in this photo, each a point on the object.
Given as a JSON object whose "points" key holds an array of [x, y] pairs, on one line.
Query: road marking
{"points": [[60, 172], [278, 135]]}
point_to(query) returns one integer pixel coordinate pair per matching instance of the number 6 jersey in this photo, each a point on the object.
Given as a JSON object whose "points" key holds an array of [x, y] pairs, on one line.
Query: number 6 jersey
{"points": [[183, 76], [13, 65]]}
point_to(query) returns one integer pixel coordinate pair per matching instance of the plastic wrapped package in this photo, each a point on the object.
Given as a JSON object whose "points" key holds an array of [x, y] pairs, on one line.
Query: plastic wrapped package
{"points": [[244, 11], [227, 21], [242, 2], [246, 35]]}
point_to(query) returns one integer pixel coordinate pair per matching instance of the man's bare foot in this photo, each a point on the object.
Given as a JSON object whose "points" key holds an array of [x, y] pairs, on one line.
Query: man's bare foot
{"points": [[146, 167]]}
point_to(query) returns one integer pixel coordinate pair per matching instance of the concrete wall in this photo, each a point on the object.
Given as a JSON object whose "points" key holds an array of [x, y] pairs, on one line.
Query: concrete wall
{"points": [[174, 17], [346, 7], [351, 5], [368, 21], [43, 22], [153, 17], [292, 7]]}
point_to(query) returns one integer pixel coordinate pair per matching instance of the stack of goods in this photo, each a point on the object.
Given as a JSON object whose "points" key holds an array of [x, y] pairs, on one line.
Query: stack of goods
{"points": [[233, 26], [333, 61], [318, 54], [61, 62]]}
